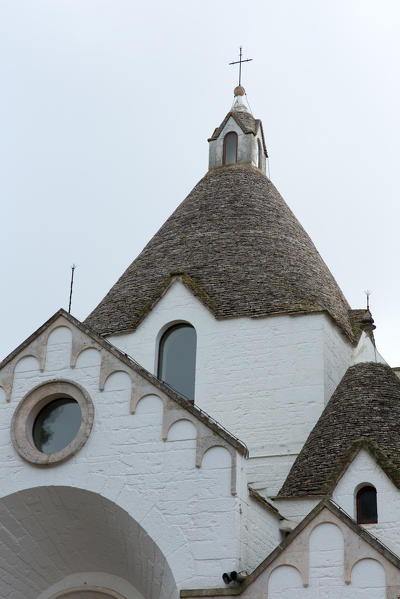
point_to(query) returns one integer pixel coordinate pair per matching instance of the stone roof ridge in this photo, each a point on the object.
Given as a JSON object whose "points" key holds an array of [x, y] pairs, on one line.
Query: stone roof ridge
{"points": [[366, 351], [325, 504], [364, 411], [100, 342], [245, 120], [263, 501], [243, 250]]}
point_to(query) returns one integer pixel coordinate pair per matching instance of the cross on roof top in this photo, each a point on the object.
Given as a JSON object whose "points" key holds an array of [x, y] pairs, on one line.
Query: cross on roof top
{"points": [[239, 62]]}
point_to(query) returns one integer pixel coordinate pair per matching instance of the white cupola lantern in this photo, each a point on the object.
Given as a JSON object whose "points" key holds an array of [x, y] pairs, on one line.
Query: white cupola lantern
{"points": [[239, 139]]}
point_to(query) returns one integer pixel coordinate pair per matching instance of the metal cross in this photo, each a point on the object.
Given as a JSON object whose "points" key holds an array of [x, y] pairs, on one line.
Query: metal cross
{"points": [[239, 62]]}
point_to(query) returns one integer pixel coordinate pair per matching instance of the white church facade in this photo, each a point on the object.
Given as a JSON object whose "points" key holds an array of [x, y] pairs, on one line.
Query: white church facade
{"points": [[221, 424]]}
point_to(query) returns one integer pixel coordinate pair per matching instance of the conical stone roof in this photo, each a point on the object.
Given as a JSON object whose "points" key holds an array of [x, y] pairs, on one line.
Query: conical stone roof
{"points": [[238, 247], [364, 412]]}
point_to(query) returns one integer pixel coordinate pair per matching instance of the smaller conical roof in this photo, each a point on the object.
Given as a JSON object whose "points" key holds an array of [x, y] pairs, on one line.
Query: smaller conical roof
{"points": [[364, 411]]}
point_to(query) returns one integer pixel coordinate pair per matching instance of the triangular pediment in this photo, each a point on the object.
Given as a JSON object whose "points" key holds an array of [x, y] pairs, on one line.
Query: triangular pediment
{"points": [[293, 550], [112, 360]]}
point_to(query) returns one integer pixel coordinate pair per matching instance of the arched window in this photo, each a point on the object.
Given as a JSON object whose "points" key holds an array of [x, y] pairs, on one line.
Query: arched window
{"points": [[260, 164], [177, 359], [230, 148], [367, 510]]}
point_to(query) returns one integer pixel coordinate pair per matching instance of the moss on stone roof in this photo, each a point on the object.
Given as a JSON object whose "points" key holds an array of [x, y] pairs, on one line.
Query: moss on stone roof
{"points": [[240, 246], [364, 412]]}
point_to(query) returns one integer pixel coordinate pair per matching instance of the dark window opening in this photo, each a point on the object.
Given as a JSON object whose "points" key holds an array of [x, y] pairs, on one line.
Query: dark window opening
{"points": [[367, 509], [230, 148], [177, 359], [57, 425]]}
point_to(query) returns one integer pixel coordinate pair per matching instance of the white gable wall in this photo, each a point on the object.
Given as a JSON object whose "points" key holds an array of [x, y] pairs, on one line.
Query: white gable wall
{"points": [[265, 379], [326, 560], [326, 572], [364, 470], [188, 511]]}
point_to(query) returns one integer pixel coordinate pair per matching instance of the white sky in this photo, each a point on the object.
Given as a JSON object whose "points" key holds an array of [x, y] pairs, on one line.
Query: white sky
{"points": [[105, 110]]}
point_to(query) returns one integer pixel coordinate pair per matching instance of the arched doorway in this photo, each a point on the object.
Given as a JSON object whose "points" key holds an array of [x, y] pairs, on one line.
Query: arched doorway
{"points": [[69, 543]]}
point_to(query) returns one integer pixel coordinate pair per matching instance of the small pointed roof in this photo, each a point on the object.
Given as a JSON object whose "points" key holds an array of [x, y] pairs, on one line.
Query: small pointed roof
{"points": [[238, 247], [240, 113], [364, 412]]}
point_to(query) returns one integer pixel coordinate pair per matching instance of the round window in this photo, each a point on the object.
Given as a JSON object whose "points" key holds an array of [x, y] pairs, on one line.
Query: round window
{"points": [[56, 425], [52, 422]]}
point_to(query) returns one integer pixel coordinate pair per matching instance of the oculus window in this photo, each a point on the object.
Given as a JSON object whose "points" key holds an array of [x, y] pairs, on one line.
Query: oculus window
{"points": [[52, 422], [177, 359], [230, 148], [56, 425], [367, 509]]}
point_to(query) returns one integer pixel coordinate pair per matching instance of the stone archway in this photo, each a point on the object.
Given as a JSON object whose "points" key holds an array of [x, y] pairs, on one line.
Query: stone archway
{"points": [[70, 543]]}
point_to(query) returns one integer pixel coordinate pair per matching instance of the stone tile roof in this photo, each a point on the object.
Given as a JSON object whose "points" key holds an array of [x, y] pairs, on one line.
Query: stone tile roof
{"points": [[238, 247], [356, 317], [245, 120], [364, 412]]}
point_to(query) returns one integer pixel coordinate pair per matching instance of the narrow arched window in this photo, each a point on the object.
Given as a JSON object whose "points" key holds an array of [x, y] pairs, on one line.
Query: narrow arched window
{"points": [[367, 509], [230, 148], [260, 164], [177, 359]]}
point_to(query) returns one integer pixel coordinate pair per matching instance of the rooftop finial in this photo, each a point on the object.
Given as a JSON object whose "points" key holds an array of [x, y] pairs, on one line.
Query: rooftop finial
{"points": [[367, 322], [239, 62], [71, 287]]}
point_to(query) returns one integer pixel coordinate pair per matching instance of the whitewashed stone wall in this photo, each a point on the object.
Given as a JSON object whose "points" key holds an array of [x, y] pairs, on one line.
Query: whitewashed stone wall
{"points": [[262, 534], [338, 354], [188, 512], [364, 470], [266, 379], [296, 509]]}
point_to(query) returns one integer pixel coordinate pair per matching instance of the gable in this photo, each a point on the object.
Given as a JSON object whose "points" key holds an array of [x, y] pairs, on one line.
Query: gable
{"points": [[111, 360], [324, 548], [365, 470]]}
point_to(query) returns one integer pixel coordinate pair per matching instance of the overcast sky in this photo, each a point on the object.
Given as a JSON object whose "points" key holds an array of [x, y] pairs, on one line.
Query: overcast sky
{"points": [[105, 110]]}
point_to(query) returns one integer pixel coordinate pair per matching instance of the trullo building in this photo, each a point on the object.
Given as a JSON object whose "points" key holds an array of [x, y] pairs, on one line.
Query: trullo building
{"points": [[220, 425]]}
